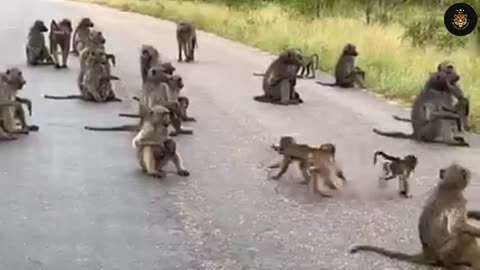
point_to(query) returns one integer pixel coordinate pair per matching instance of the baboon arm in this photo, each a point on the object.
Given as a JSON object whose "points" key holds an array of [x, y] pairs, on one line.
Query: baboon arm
{"points": [[177, 161], [445, 115], [390, 177], [275, 165], [474, 214], [470, 229], [8, 104]]}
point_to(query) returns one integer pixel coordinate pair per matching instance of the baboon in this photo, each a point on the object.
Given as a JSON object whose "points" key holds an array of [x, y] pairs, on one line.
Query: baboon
{"points": [[280, 78], [149, 57], [184, 103], [60, 35], [310, 64], [81, 35], [168, 68], [11, 108], [154, 148], [397, 167], [96, 84], [36, 50], [429, 119], [311, 163], [348, 75], [187, 41], [447, 239]]}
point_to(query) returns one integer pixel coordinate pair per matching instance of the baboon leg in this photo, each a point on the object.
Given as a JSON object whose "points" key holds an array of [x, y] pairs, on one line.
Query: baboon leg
{"points": [[276, 165], [313, 184], [284, 167], [131, 115], [448, 136], [65, 97], [20, 115], [471, 256], [404, 186], [150, 163], [186, 50], [302, 165], [4, 135], [311, 72], [180, 48], [285, 93], [177, 161], [64, 57], [177, 125], [115, 128], [47, 57], [359, 81]]}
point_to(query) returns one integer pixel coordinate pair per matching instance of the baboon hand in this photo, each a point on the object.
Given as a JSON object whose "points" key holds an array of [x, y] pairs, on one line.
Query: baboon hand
{"points": [[183, 172]]}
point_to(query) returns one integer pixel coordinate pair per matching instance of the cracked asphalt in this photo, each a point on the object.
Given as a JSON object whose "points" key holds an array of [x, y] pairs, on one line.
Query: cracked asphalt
{"points": [[75, 199]]}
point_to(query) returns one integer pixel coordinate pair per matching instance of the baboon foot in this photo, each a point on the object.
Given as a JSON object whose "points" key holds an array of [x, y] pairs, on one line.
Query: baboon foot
{"points": [[173, 133], [64, 66], [275, 177], [405, 195], [159, 174], [304, 182], [325, 194], [183, 172], [180, 60], [33, 128], [189, 119], [57, 66]]}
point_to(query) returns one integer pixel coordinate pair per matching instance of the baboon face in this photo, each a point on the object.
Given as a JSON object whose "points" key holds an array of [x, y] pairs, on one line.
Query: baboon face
{"points": [[160, 115], [454, 177], [439, 81], [97, 37], [184, 102], [96, 57], [286, 140], [40, 26], [350, 49], [14, 77], [168, 68], [148, 52], [156, 74], [86, 22], [177, 82], [411, 161], [292, 57]]}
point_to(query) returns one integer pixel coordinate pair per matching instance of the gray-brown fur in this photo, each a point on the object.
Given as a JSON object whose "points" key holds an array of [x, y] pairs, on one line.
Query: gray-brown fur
{"points": [[447, 239], [36, 49], [280, 79], [60, 35], [187, 41], [149, 57], [346, 73], [310, 64], [81, 35], [394, 167], [430, 121], [153, 145]]}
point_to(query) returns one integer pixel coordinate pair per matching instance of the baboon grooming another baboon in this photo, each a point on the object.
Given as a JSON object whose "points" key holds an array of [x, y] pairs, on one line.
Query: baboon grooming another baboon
{"points": [[430, 121], [280, 78], [60, 35], [11, 108], [154, 148], [36, 50], [397, 167], [446, 237], [346, 73], [187, 41], [310, 64], [81, 35]]}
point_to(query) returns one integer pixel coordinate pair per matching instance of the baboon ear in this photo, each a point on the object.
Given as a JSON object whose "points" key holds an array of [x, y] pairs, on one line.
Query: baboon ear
{"points": [[464, 173], [8, 72]]}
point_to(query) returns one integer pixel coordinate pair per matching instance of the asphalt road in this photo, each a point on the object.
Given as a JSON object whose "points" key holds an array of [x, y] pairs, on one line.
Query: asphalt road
{"points": [[75, 199]]}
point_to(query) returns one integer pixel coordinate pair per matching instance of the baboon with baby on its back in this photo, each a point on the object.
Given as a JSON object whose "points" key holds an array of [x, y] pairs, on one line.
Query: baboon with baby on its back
{"points": [[447, 239], [279, 80], [347, 74], [187, 41]]}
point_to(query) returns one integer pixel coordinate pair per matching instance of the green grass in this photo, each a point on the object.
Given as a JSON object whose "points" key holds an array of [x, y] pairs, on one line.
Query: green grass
{"points": [[394, 69]]}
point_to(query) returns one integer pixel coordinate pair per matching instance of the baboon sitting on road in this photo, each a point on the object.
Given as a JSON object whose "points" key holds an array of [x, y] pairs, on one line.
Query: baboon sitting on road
{"points": [[36, 50]]}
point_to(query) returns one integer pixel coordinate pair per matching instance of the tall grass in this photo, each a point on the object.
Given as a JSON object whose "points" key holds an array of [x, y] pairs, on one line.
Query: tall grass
{"points": [[394, 68]]}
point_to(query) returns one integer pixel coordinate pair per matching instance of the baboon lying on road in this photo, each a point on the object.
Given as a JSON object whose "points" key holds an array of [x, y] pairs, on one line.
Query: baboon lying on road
{"points": [[447, 239]]}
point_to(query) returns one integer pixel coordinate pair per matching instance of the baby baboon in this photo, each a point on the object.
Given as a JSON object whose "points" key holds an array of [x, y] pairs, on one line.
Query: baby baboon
{"points": [[346, 73], [430, 122], [154, 148], [291, 151], [397, 167], [81, 35], [184, 103], [149, 57], [280, 79], [310, 64], [446, 237], [36, 50], [11, 109], [60, 35], [187, 41], [321, 163]]}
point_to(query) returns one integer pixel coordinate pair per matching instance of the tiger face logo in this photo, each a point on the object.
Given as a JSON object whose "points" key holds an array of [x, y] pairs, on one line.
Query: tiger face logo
{"points": [[460, 20]]}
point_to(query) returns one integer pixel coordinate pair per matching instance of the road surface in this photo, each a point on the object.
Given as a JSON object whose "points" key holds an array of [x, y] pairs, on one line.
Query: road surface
{"points": [[75, 199]]}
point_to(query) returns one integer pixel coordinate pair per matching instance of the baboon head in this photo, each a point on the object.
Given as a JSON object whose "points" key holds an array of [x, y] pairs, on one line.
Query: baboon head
{"points": [[454, 178], [65, 25], [95, 56], [168, 68], [350, 49], [176, 82], [159, 115], [291, 57], [39, 26], [449, 69], [86, 23], [149, 52], [439, 81], [97, 37], [184, 102], [285, 141], [329, 148], [14, 78], [156, 75], [411, 161]]}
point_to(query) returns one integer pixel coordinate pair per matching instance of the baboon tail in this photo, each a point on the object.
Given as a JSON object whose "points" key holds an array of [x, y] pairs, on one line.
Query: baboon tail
{"points": [[315, 56], [262, 98], [195, 42], [415, 258], [136, 98], [131, 115], [326, 84], [473, 214], [63, 97], [398, 118], [393, 134], [385, 156], [117, 128], [258, 74]]}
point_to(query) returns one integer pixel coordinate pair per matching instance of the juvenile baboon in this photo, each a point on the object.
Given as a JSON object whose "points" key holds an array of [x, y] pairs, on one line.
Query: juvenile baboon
{"points": [[11, 109], [60, 35], [446, 237], [96, 84], [184, 103], [346, 73], [280, 78], [187, 41], [36, 50], [149, 57], [430, 122], [81, 35], [154, 148], [310, 64], [397, 167]]}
